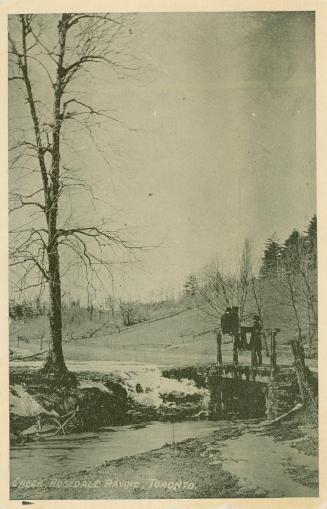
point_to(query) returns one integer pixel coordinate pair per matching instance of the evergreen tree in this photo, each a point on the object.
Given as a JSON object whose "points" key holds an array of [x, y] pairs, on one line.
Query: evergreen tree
{"points": [[271, 258], [311, 241], [191, 286], [292, 251]]}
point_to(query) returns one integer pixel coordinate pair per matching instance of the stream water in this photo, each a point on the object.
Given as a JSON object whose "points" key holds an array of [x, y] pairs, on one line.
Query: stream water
{"points": [[76, 452], [258, 461]]}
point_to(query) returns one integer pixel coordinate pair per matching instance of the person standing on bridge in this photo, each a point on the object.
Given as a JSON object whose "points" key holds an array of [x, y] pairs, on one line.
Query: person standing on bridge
{"points": [[256, 342], [225, 321]]}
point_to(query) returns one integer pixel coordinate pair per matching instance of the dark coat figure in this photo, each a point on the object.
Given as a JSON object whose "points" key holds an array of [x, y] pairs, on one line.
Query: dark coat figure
{"points": [[225, 322], [235, 321], [230, 324], [235, 326], [256, 342]]}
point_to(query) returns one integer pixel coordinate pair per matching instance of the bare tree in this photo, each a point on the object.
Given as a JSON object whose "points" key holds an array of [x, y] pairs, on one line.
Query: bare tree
{"points": [[48, 56], [286, 285], [259, 289], [215, 291], [308, 286], [128, 312], [244, 276], [300, 277], [219, 289]]}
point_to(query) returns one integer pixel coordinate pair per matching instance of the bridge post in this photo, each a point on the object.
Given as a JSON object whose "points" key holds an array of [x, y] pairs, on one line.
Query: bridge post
{"points": [[265, 342], [273, 356], [253, 357], [219, 354], [235, 350]]}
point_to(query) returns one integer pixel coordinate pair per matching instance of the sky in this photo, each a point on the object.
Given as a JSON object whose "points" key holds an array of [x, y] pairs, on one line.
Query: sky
{"points": [[219, 144]]}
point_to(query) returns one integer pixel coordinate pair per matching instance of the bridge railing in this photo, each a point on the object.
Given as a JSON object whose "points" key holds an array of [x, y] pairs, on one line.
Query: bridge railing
{"points": [[254, 353]]}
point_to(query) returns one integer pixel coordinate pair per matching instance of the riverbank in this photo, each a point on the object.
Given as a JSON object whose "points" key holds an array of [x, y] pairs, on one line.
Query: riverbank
{"points": [[219, 465], [41, 408]]}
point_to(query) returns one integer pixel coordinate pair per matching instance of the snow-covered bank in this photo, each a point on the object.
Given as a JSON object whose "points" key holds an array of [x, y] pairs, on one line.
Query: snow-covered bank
{"points": [[119, 395]]}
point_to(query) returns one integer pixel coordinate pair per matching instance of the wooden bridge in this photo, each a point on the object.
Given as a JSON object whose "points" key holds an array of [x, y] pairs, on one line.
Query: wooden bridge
{"points": [[250, 390], [263, 373], [256, 368], [281, 382]]}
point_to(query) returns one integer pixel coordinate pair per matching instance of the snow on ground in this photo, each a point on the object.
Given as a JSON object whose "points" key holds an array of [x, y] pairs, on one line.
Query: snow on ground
{"points": [[88, 384], [147, 387], [143, 382], [23, 404]]}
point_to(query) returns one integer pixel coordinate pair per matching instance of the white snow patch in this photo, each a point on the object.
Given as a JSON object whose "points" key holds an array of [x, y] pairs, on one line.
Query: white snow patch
{"points": [[148, 376], [88, 384], [23, 404], [147, 387]]}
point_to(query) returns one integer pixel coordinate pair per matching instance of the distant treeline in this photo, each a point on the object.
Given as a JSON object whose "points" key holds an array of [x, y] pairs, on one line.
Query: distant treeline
{"points": [[27, 309], [117, 312]]}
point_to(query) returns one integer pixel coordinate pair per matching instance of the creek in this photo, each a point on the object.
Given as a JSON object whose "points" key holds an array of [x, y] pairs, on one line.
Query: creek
{"points": [[75, 452], [257, 460]]}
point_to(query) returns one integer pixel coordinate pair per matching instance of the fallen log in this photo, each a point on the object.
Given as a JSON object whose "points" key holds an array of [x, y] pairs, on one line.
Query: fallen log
{"points": [[62, 426], [293, 410], [31, 356]]}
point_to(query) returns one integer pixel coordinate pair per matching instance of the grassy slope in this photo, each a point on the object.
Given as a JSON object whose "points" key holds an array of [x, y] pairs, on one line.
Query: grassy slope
{"points": [[160, 343]]}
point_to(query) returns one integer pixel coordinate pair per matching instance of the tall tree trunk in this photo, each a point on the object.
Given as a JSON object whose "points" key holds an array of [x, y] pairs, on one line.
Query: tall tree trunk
{"points": [[55, 363]]}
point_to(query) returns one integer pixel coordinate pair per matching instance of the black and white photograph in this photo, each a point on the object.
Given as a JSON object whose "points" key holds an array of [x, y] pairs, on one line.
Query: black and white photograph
{"points": [[163, 296]]}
